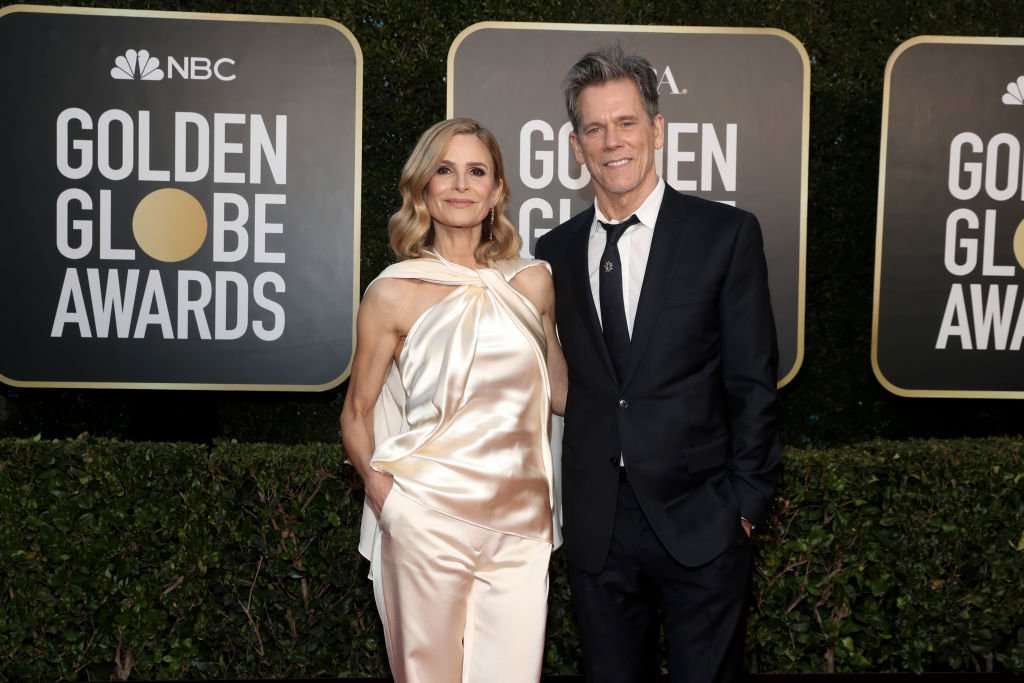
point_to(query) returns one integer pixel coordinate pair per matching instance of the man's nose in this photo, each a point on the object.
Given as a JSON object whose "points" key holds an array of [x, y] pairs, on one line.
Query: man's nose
{"points": [[612, 139]]}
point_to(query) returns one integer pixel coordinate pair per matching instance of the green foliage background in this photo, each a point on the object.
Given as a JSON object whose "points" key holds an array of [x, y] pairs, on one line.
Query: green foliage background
{"points": [[161, 560], [834, 399], [221, 557]]}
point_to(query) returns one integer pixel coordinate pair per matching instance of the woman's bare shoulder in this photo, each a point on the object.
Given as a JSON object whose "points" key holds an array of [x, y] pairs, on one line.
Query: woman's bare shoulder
{"points": [[534, 275], [534, 281], [402, 300], [390, 292]]}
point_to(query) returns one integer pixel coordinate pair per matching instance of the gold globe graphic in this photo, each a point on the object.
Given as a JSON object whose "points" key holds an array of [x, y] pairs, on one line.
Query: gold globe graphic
{"points": [[169, 225], [1018, 244]]}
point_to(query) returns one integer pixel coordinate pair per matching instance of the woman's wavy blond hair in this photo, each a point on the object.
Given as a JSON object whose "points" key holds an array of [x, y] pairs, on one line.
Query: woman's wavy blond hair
{"points": [[410, 229]]}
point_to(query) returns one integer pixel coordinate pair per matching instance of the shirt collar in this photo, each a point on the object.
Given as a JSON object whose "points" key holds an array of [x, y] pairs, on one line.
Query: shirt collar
{"points": [[647, 212]]}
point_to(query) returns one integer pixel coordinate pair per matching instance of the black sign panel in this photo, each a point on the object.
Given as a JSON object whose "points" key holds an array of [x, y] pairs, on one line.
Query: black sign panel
{"points": [[180, 199], [949, 268], [736, 108]]}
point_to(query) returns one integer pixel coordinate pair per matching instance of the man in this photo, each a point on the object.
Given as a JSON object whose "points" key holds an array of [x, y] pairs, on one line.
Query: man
{"points": [[670, 451]]}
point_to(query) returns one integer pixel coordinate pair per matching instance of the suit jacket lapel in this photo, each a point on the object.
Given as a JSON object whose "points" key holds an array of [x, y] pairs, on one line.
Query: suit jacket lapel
{"points": [[668, 232], [580, 273]]}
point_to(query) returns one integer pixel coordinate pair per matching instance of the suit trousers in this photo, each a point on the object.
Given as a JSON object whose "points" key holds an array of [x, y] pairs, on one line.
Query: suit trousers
{"points": [[621, 609], [459, 603]]}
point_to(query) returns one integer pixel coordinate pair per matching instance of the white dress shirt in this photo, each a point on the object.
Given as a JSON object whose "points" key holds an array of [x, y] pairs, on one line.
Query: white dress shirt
{"points": [[634, 248]]}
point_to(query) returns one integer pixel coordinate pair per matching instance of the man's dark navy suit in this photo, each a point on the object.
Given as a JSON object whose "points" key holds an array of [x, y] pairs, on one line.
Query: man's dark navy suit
{"points": [[694, 417]]}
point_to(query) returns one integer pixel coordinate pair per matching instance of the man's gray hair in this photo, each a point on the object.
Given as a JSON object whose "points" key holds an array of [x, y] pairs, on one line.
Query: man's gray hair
{"points": [[610, 64]]}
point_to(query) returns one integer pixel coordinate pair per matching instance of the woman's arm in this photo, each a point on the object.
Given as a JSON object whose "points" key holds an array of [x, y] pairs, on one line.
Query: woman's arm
{"points": [[377, 338], [558, 373], [537, 285]]}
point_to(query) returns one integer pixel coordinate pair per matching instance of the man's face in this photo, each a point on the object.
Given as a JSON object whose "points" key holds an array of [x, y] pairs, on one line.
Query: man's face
{"points": [[616, 142]]}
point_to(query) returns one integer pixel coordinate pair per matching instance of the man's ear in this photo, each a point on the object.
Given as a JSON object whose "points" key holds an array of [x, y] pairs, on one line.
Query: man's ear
{"points": [[577, 151], [659, 131]]}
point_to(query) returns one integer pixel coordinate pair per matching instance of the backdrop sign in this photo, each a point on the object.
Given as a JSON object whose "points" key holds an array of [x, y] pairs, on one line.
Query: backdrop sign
{"points": [[949, 265], [181, 199], [735, 102]]}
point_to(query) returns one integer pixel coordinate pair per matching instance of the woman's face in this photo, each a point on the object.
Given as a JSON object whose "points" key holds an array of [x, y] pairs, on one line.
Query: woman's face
{"points": [[463, 189]]}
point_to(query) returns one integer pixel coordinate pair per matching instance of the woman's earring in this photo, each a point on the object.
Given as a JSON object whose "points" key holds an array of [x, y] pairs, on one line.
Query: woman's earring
{"points": [[490, 231]]}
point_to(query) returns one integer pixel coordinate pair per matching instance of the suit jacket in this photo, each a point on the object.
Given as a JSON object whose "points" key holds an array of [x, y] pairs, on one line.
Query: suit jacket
{"points": [[694, 418]]}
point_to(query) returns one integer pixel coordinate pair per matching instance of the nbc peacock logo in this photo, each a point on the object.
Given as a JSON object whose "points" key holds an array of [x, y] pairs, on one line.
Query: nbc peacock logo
{"points": [[137, 65], [140, 65]]}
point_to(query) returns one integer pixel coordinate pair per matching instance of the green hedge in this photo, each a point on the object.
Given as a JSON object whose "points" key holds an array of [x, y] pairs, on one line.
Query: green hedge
{"points": [[164, 560]]}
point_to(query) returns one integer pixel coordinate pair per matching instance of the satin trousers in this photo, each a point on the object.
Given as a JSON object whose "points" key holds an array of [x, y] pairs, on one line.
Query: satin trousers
{"points": [[459, 603]]}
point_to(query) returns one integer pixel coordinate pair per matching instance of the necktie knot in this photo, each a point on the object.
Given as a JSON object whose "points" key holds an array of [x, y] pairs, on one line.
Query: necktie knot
{"points": [[615, 230]]}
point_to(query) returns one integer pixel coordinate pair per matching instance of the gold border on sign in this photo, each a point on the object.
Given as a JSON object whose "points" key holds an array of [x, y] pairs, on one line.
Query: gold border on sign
{"points": [[805, 133], [880, 213], [356, 200]]}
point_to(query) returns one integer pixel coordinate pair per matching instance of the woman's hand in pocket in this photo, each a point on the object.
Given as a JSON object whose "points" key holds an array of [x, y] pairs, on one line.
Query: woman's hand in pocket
{"points": [[378, 488]]}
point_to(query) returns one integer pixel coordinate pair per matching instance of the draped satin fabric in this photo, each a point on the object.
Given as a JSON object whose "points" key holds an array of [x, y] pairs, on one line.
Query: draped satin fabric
{"points": [[462, 420]]}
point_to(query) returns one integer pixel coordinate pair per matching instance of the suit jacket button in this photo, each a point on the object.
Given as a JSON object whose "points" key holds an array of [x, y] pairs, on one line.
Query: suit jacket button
{"points": [[623, 403]]}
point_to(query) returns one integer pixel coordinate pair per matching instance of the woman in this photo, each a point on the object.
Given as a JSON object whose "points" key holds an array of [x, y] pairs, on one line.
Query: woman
{"points": [[456, 372]]}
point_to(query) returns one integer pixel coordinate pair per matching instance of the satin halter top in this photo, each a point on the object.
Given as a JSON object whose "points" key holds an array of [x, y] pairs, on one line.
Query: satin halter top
{"points": [[462, 420]]}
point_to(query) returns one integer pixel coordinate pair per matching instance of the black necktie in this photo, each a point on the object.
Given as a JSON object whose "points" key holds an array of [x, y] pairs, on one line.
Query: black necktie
{"points": [[613, 310]]}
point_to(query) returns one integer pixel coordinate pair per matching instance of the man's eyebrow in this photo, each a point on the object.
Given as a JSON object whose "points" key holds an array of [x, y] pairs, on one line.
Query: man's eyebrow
{"points": [[623, 117]]}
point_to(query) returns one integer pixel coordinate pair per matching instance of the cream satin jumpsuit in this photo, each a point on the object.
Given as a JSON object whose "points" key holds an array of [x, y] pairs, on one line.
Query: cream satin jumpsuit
{"points": [[460, 553]]}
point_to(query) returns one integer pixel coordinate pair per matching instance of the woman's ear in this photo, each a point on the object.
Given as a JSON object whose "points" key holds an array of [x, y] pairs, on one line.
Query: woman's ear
{"points": [[496, 194]]}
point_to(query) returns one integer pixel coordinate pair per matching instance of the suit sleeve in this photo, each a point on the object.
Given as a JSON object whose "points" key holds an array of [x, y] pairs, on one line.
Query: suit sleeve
{"points": [[541, 249], [749, 371]]}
